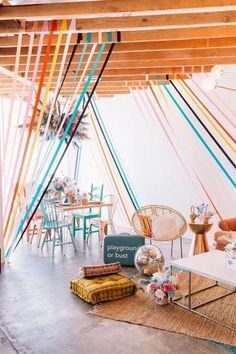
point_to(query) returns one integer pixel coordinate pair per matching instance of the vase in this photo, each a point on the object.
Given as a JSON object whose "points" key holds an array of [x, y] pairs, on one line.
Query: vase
{"points": [[161, 302]]}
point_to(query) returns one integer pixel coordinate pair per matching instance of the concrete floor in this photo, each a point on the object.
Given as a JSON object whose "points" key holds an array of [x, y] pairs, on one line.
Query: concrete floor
{"points": [[39, 315]]}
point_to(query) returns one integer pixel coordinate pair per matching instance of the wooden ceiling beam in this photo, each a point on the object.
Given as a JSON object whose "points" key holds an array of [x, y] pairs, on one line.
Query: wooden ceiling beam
{"points": [[108, 8], [139, 47], [159, 66], [110, 74], [133, 22], [143, 56], [137, 36]]}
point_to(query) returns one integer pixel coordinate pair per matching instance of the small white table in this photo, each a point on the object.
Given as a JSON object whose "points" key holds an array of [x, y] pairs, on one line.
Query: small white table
{"points": [[210, 265]]}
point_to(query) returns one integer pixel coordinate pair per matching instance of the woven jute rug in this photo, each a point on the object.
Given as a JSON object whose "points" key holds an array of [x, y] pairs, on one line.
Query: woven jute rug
{"points": [[141, 309]]}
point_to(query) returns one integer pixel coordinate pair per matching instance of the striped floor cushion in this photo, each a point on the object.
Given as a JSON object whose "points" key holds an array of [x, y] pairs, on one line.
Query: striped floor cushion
{"points": [[104, 288]]}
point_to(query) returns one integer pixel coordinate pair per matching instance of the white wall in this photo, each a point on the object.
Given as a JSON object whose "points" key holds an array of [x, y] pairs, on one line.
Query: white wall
{"points": [[151, 164]]}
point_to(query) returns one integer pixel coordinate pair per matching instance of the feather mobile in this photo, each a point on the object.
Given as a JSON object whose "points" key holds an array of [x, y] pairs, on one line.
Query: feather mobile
{"points": [[57, 117]]}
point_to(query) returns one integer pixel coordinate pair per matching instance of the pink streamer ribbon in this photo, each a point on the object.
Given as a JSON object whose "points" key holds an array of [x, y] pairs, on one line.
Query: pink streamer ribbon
{"points": [[219, 109], [40, 46]]}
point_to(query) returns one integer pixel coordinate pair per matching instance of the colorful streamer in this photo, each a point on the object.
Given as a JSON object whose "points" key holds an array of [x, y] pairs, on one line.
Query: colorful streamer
{"points": [[115, 157], [101, 145], [199, 104], [217, 107], [204, 126], [195, 174], [167, 135], [11, 173], [200, 137], [18, 154], [41, 82], [55, 155]]}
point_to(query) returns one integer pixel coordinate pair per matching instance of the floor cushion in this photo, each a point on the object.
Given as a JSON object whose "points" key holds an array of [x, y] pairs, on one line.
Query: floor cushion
{"points": [[105, 288]]}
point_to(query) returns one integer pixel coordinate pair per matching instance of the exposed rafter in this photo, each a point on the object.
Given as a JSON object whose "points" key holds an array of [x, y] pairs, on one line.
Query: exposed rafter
{"points": [[157, 38]]}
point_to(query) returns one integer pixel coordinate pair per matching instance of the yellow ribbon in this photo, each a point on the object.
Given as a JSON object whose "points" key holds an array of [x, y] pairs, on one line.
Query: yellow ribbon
{"points": [[63, 28], [206, 114]]}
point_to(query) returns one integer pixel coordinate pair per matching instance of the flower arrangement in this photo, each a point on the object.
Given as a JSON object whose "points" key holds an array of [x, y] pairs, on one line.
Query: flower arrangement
{"points": [[202, 213], [163, 286], [66, 186], [230, 249]]}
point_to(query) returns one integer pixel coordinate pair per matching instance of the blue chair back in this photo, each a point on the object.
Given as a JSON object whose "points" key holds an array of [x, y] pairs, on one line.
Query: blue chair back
{"points": [[49, 212], [96, 193]]}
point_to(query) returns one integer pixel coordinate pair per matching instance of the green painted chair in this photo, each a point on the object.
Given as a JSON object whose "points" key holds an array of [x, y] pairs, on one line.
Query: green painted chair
{"points": [[53, 225], [96, 194]]}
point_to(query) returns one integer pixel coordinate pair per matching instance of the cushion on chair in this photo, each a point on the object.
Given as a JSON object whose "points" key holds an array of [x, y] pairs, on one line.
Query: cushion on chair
{"points": [[100, 289], [146, 224], [164, 227]]}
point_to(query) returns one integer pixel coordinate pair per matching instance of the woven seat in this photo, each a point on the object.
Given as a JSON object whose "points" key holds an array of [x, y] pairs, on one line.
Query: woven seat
{"points": [[142, 219]]}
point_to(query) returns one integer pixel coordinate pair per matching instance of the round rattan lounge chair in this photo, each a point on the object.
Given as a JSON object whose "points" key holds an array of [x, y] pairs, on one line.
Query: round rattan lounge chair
{"points": [[140, 228]]}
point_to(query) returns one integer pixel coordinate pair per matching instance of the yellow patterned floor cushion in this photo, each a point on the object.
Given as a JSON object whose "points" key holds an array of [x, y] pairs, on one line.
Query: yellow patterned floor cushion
{"points": [[105, 288]]}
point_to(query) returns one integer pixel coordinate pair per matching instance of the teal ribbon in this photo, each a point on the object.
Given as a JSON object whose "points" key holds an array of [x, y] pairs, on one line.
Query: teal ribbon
{"points": [[115, 154], [40, 186], [82, 55], [199, 136], [78, 163]]}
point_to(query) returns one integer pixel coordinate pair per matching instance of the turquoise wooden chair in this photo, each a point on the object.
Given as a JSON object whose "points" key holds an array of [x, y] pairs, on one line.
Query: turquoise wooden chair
{"points": [[96, 194], [51, 223]]}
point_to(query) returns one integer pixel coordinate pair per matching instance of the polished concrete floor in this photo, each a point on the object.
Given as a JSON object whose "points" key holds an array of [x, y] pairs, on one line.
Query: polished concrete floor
{"points": [[39, 315]]}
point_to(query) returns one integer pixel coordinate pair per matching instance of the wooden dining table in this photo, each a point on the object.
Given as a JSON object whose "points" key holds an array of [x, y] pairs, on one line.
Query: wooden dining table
{"points": [[68, 208]]}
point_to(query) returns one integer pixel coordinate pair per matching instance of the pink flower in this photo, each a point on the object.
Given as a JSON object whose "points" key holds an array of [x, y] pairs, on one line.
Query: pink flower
{"points": [[153, 286], [150, 290], [167, 287]]}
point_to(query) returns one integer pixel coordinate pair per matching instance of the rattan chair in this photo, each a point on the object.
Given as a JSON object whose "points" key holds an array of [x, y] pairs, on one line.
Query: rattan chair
{"points": [[155, 210]]}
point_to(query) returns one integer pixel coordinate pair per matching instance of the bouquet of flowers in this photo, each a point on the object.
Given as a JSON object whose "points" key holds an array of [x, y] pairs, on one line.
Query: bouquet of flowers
{"points": [[66, 186], [230, 249], [71, 192], [203, 213], [163, 286]]}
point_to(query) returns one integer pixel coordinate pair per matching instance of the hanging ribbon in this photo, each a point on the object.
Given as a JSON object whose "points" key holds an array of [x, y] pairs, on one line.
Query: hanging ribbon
{"points": [[63, 28], [53, 141], [199, 136], [199, 104], [11, 172], [204, 126], [208, 97], [222, 102], [31, 126], [57, 92], [208, 196], [195, 174], [13, 96], [109, 166], [35, 198], [77, 162], [167, 135], [114, 156], [18, 153]]}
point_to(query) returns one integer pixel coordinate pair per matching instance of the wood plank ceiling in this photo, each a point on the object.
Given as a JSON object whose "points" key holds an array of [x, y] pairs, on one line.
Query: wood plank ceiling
{"points": [[160, 39]]}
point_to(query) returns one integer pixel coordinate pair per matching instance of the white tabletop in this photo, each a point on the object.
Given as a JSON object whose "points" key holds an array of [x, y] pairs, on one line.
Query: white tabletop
{"points": [[209, 264]]}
